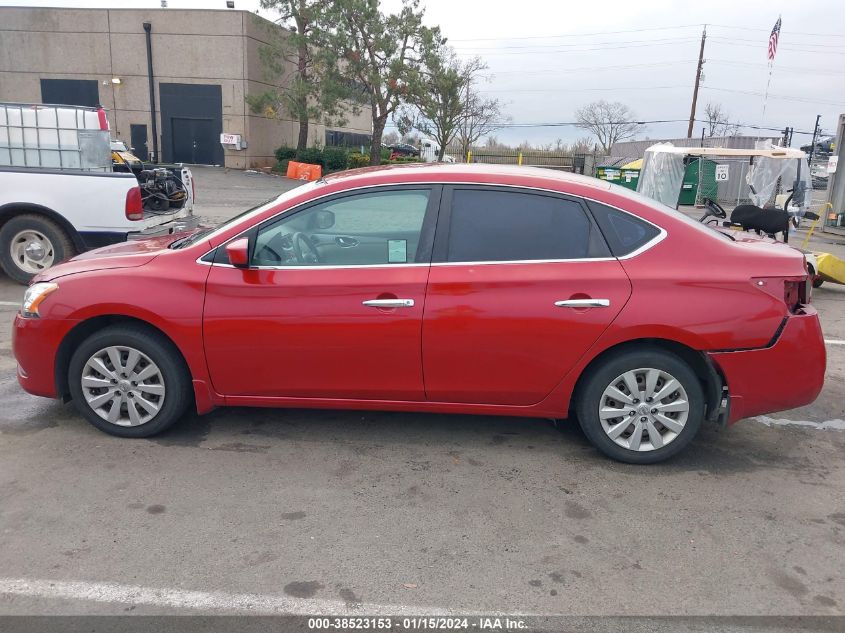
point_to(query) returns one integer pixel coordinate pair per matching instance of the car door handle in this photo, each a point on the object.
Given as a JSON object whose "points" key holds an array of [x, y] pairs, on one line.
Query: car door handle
{"points": [[389, 303], [583, 303]]}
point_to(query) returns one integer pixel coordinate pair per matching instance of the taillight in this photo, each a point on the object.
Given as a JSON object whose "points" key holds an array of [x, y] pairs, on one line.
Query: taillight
{"points": [[103, 119], [134, 206], [792, 290]]}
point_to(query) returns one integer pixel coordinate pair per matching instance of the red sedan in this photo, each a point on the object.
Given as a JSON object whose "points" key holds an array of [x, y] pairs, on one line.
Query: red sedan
{"points": [[447, 288]]}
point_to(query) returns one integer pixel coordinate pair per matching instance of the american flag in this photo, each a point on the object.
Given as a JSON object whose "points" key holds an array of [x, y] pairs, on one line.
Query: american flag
{"points": [[773, 40]]}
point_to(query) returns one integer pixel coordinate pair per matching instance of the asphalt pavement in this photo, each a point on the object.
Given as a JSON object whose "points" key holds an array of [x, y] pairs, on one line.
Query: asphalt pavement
{"points": [[280, 511]]}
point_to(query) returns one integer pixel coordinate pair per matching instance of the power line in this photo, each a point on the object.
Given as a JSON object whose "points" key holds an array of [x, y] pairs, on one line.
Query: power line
{"points": [[780, 97], [581, 50], [615, 88], [750, 28], [512, 125], [496, 48], [548, 37], [546, 71], [796, 69], [731, 42]]}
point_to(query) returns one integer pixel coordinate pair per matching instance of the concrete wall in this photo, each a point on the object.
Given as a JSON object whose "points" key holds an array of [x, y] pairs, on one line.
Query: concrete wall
{"points": [[189, 46]]}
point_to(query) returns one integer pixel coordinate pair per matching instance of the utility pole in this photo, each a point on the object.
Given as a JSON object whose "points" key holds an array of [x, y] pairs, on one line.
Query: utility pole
{"points": [[698, 70], [813, 144]]}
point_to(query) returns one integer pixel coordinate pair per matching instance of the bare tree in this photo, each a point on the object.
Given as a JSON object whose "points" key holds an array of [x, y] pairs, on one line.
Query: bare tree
{"points": [[609, 122], [718, 121], [482, 115], [390, 138]]}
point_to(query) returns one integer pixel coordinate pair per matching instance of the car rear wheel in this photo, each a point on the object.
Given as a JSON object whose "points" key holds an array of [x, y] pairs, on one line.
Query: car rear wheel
{"points": [[641, 407], [129, 381]]}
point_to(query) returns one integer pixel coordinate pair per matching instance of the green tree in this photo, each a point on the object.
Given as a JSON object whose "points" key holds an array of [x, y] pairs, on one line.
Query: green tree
{"points": [[440, 104], [313, 92], [379, 54]]}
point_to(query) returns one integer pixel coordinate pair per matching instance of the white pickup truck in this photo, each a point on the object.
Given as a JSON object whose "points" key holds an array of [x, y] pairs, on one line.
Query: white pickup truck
{"points": [[59, 195]]}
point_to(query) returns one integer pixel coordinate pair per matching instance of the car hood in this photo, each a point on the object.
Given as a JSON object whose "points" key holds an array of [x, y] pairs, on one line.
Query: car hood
{"points": [[123, 255]]}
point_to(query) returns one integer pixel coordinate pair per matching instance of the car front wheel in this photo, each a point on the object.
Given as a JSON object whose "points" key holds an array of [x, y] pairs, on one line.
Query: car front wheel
{"points": [[129, 381], [641, 407]]}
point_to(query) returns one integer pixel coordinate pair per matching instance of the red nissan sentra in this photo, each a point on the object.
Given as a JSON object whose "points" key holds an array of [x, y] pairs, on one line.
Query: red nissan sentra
{"points": [[447, 288]]}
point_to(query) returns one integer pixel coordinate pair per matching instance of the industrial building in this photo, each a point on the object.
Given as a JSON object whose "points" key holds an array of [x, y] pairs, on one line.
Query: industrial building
{"points": [[201, 64]]}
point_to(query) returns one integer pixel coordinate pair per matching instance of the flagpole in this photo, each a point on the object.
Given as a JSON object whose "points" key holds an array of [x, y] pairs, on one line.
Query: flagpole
{"points": [[768, 83]]}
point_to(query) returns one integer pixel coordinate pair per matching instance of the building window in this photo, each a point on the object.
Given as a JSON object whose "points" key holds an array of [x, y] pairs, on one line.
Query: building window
{"points": [[337, 138], [75, 92]]}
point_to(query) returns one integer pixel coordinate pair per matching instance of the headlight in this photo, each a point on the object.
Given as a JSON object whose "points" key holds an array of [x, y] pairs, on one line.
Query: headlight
{"points": [[34, 295]]}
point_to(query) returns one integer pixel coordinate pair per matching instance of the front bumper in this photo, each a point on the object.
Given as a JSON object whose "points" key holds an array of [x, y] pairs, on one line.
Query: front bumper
{"points": [[787, 374], [35, 343]]}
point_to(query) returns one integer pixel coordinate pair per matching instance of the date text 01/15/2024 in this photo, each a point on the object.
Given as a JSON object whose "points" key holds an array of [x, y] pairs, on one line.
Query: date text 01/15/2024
{"points": [[421, 623]]}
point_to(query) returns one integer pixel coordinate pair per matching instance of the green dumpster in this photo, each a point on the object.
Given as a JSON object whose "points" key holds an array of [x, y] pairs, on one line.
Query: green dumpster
{"points": [[627, 175], [692, 188]]}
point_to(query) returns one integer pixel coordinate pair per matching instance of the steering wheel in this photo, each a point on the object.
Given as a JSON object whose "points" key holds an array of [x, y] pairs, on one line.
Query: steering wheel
{"points": [[715, 208], [309, 255]]}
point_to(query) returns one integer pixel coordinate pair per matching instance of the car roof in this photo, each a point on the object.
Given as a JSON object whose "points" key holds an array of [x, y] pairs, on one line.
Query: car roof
{"points": [[463, 173]]}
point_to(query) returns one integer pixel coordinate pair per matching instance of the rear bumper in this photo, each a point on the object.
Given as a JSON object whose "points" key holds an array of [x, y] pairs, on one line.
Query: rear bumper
{"points": [[98, 239], [179, 225], [785, 375]]}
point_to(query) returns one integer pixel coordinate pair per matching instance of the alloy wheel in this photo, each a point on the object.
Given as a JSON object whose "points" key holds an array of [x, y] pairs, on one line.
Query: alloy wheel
{"points": [[123, 386], [644, 409], [32, 251]]}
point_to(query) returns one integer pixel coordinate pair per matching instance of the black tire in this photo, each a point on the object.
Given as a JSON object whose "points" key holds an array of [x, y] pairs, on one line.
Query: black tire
{"points": [[176, 378], [817, 281], [58, 239], [601, 376]]}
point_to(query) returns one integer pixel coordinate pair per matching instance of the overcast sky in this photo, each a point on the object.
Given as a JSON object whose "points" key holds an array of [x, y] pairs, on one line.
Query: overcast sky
{"points": [[548, 57]]}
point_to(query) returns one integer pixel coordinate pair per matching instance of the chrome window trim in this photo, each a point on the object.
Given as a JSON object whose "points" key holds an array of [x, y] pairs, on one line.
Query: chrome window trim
{"points": [[663, 233]]}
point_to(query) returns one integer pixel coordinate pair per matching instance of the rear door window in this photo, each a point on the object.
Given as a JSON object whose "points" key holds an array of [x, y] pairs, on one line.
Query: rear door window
{"points": [[489, 225]]}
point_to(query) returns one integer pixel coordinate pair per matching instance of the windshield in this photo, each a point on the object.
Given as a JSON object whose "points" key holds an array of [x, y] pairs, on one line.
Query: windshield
{"points": [[210, 232]]}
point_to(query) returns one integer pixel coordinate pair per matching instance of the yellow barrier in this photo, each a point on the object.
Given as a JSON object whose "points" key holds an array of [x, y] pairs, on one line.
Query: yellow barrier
{"points": [[813, 227]]}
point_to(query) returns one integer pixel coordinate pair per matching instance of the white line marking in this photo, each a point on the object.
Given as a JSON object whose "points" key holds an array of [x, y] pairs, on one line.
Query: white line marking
{"points": [[198, 600], [836, 425], [833, 342], [16, 304]]}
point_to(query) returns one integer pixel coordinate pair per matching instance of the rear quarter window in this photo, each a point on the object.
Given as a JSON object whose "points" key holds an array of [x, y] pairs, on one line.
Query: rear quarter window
{"points": [[625, 233]]}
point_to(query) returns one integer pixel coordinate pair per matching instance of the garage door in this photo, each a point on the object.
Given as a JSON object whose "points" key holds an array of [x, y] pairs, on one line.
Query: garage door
{"points": [[192, 120], [194, 141]]}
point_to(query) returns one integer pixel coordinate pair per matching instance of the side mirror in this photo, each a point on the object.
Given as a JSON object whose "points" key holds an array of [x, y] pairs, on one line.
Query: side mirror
{"points": [[238, 252], [322, 220]]}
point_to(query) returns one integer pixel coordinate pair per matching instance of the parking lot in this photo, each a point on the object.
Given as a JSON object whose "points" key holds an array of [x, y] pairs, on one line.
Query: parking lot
{"points": [[350, 512]]}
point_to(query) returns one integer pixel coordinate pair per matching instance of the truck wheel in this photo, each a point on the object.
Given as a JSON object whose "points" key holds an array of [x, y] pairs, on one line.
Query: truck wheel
{"points": [[31, 243]]}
